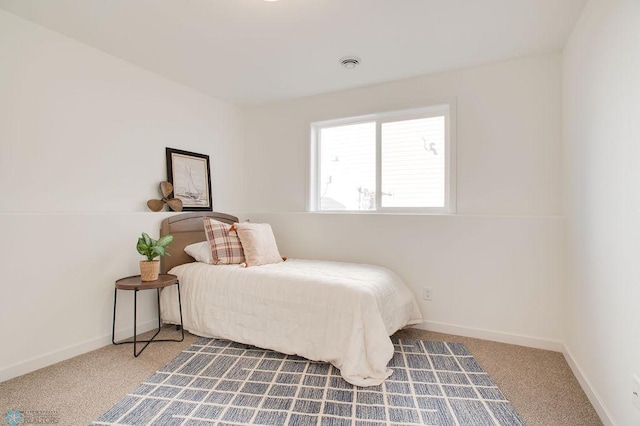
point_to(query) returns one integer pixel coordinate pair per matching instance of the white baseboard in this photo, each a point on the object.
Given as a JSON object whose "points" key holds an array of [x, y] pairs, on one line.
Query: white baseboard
{"points": [[53, 357], [496, 336], [605, 416]]}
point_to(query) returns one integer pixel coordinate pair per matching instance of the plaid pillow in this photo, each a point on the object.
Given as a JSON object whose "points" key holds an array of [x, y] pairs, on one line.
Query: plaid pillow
{"points": [[226, 249]]}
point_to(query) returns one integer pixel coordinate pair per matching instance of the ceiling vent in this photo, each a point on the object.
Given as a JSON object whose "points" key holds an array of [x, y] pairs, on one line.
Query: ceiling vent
{"points": [[349, 62]]}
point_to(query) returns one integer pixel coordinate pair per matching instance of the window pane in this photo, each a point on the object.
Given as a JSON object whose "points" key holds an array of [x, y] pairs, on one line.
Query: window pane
{"points": [[348, 167], [413, 165]]}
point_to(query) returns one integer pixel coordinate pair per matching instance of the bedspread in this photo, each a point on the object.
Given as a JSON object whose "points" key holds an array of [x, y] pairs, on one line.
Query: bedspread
{"points": [[342, 313]]}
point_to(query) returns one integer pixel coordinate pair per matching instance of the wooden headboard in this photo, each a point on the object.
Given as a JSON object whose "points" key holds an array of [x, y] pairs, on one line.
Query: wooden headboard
{"points": [[186, 228]]}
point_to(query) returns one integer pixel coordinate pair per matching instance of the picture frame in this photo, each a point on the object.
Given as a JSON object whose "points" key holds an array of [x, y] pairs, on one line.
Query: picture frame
{"points": [[190, 175]]}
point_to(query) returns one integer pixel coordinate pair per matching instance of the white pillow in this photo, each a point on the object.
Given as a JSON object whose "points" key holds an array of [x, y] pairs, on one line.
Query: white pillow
{"points": [[258, 242], [201, 252]]}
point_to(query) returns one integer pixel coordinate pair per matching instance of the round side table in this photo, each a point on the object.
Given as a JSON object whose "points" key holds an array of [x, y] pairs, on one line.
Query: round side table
{"points": [[136, 284]]}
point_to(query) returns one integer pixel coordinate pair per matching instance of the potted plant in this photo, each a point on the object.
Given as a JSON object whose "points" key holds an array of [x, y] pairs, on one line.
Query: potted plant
{"points": [[147, 246]]}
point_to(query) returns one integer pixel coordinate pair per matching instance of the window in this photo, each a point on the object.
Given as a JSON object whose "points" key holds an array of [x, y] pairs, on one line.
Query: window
{"points": [[393, 162]]}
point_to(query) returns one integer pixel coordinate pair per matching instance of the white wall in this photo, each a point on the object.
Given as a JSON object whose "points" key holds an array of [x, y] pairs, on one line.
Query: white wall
{"points": [[601, 110], [497, 266], [508, 136], [82, 148]]}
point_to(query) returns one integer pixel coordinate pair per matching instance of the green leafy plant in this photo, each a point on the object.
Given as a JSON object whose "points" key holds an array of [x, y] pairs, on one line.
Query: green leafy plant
{"points": [[151, 248]]}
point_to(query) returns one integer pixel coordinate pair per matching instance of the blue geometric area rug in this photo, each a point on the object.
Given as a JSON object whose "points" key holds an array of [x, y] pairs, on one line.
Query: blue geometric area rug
{"points": [[226, 383]]}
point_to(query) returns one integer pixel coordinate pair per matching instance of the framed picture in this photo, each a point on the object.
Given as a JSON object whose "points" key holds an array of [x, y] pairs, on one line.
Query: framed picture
{"points": [[191, 178]]}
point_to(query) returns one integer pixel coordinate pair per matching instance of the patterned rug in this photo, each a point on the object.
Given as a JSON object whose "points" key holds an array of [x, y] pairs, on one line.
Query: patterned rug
{"points": [[227, 383]]}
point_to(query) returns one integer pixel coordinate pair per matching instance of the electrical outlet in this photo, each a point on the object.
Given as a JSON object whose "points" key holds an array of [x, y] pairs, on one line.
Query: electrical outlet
{"points": [[427, 293], [635, 389]]}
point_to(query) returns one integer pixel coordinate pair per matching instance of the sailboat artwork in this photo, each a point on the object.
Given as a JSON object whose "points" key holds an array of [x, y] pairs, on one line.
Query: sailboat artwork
{"points": [[191, 191], [189, 173]]}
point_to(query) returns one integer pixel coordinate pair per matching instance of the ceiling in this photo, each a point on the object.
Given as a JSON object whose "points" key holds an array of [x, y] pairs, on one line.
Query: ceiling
{"points": [[249, 52]]}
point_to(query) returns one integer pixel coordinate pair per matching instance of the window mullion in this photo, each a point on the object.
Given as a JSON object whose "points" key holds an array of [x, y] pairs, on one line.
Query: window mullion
{"points": [[378, 165]]}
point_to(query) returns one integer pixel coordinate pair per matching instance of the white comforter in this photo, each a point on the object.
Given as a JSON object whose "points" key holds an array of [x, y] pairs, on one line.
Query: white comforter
{"points": [[342, 313]]}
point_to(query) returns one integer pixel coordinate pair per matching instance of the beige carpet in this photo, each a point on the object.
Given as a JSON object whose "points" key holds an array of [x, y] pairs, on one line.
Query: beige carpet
{"points": [[538, 383]]}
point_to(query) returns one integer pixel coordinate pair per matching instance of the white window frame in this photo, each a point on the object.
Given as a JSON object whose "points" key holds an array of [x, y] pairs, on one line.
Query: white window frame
{"points": [[446, 108]]}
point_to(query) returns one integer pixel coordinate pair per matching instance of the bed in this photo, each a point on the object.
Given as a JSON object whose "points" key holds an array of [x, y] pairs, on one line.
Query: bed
{"points": [[342, 313]]}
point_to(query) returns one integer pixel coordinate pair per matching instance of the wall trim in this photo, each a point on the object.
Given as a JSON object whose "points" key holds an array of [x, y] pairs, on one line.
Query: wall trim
{"points": [[63, 354], [595, 400], [496, 336]]}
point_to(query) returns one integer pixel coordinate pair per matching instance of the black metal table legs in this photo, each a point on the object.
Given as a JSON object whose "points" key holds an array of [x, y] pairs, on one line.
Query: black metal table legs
{"points": [[135, 340]]}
